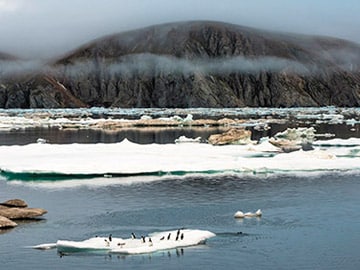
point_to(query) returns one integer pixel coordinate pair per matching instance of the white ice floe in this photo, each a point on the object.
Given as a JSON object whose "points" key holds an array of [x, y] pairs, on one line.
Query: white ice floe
{"points": [[240, 214], [184, 139], [297, 135], [264, 146], [41, 140], [127, 158], [152, 243]]}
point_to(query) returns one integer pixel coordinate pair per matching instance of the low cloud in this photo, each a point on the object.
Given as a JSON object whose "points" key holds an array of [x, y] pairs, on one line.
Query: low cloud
{"points": [[10, 68], [150, 65]]}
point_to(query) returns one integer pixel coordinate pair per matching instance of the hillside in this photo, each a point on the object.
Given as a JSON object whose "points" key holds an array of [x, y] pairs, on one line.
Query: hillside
{"points": [[195, 64]]}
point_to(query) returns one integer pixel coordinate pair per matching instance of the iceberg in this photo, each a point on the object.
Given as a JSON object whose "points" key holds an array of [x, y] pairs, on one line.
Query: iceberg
{"points": [[152, 243]]}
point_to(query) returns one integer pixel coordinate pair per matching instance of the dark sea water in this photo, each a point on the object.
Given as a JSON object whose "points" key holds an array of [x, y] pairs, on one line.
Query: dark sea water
{"points": [[160, 135], [309, 221]]}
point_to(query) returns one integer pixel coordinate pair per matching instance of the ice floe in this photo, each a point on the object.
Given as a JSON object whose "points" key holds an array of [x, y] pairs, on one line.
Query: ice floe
{"points": [[152, 243], [127, 158], [240, 214], [184, 139]]}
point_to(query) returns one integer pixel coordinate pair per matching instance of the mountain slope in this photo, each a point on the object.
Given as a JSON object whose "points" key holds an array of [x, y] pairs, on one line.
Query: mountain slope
{"points": [[202, 64]]}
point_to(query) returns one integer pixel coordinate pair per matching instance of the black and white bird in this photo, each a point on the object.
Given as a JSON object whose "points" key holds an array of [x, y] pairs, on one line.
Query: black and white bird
{"points": [[177, 235]]}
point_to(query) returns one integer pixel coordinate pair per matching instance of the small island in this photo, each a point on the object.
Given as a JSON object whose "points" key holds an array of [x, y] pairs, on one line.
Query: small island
{"points": [[16, 209]]}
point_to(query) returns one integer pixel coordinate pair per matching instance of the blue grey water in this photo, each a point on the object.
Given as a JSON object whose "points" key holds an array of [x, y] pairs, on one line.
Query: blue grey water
{"points": [[308, 222]]}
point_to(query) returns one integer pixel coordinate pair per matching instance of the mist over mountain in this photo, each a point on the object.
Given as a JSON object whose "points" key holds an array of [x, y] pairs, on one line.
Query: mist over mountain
{"points": [[189, 64]]}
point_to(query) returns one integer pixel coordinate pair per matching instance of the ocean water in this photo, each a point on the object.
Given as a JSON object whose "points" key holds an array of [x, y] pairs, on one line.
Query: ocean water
{"points": [[310, 219], [308, 222]]}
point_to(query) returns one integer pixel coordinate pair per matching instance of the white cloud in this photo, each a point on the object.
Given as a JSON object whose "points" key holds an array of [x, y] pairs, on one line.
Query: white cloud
{"points": [[9, 5]]}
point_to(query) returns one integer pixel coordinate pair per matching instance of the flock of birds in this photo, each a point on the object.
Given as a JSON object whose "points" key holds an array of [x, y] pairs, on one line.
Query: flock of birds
{"points": [[179, 236], [134, 245]]}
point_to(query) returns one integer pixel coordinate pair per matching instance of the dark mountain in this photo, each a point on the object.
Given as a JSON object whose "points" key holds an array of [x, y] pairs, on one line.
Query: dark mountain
{"points": [[194, 64]]}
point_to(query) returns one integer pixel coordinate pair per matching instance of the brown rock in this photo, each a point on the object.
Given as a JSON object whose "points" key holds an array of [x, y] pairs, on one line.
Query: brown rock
{"points": [[232, 136], [15, 203], [6, 223], [21, 213]]}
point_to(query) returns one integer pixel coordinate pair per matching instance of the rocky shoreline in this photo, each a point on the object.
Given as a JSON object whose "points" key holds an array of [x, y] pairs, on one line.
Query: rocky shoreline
{"points": [[16, 209]]}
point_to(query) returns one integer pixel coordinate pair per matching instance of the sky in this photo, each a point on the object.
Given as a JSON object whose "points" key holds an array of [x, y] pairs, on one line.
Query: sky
{"points": [[41, 29]]}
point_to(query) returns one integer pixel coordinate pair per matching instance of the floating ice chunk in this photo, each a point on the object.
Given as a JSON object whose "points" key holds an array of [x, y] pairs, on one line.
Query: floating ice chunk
{"points": [[240, 214], [146, 117], [264, 146], [151, 243], [184, 139], [262, 127], [41, 140], [352, 122], [334, 118], [188, 118], [298, 135]]}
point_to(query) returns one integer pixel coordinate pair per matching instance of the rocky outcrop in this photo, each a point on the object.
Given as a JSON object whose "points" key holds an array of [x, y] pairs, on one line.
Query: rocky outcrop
{"points": [[17, 209], [21, 213], [15, 203], [6, 223], [195, 64], [232, 136]]}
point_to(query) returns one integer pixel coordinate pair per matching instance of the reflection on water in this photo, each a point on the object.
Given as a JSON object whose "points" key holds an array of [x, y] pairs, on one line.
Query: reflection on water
{"points": [[138, 135], [146, 135]]}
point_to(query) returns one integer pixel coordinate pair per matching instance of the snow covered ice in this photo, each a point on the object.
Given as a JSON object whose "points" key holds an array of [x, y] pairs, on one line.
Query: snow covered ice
{"points": [[127, 158], [152, 243]]}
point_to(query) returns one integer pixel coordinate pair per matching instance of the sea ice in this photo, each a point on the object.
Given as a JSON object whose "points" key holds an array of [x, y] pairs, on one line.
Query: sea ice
{"points": [[153, 242], [127, 158]]}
